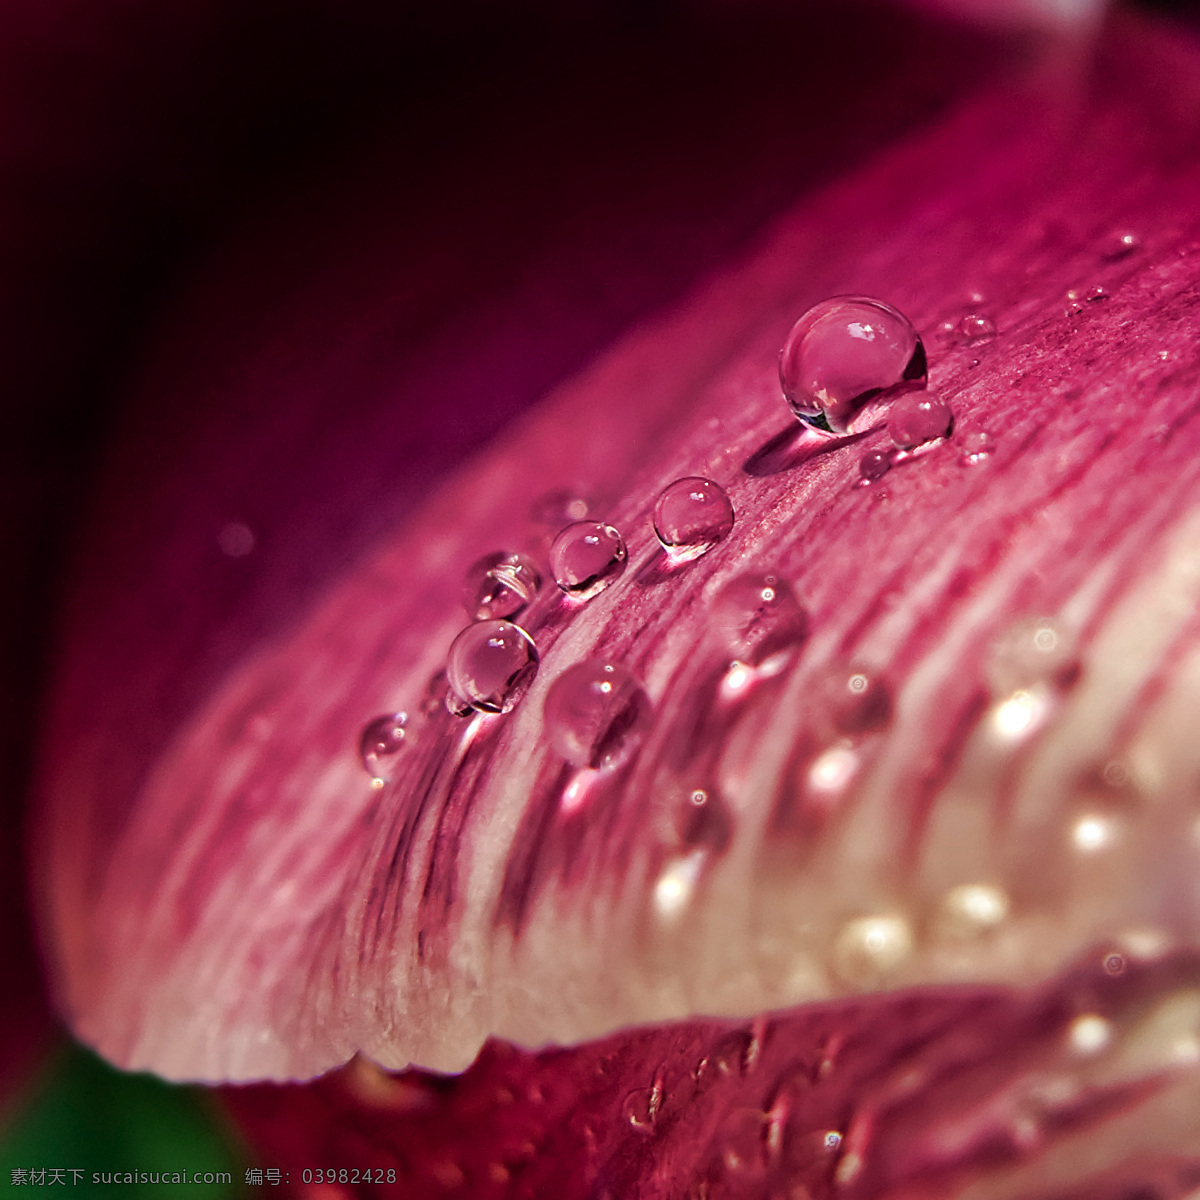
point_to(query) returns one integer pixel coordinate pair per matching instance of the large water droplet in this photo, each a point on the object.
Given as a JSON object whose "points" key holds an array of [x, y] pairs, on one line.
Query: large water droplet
{"points": [[842, 354], [759, 616], [596, 715], [500, 585], [381, 742], [916, 419], [586, 557], [691, 516], [491, 665]]}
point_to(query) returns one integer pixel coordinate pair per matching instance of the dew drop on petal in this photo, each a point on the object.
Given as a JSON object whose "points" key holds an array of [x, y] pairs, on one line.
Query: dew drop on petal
{"points": [[586, 557], [1032, 652], [974, 445], [873, 465], [703, 820], [676, 883], [1120, 245], [640, 1108], [868, 950], [691, 516], [500, 585], [1089, 1033], [596, 715], [842, 354], [974, 329], [491, 665], [758, 616], [918, 418], [381, 742], [972, 909]]}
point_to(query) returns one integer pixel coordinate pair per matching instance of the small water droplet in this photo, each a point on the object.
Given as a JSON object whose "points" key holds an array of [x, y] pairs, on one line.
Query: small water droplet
{"points": [[491, 665], [918, 418], [1032, 652], [973, 329], [1089, 1033], [1120, 245], [1094, 832], [691, 516], [759, 616], [236, 539], [500, 585], [1078, 297], [974, 445], [1114, 964], [640, 1107], [844, 353], [972, 909], [555, 509], [596, 715], [857, 700], [873, 465], [702, 820], [381, 742], [676, 883], [870, 949], [741, 1138], [586, 557]]}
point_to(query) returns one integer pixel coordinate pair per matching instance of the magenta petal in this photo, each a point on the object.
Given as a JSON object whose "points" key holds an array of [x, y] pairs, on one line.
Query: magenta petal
{"points": [[798, 830]]}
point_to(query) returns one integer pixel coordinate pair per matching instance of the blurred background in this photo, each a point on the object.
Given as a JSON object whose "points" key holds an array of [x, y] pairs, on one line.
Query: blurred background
{"points": [[563, 171]]}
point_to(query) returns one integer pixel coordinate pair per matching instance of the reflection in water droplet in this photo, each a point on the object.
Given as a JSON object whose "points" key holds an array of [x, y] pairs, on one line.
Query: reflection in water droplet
{"points": [[868, 949], [641, 1106], [491, 665], [974, 329], [500, 585], [586, 557], [381, 742], [844, 353], [596, 714], [918, 418], [873, 465], [691, 516], [759, 616]]}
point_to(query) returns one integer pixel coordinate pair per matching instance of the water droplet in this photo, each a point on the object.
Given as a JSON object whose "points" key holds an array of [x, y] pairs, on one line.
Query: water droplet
{"points": [[974, 329], [677, 882], [972, 909], [759, 616], [640, 1108], [381, 741], [586, 557], [491, 665], [1031, 652], [1089, 1034], [1094, 832], [916, 419], [555, 509], [1120, 245], [702, 820], [596, 715], [500, 585], [844, 353], [1078, 297], [742, 1142], [236, 539], [869, 949], [974, 445], [691, 516], [1114, 964], [857, 700], [873, 465]]}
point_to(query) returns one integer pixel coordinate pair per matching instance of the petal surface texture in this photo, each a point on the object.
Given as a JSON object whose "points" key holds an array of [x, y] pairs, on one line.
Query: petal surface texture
{"points": [[978, 765]]}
